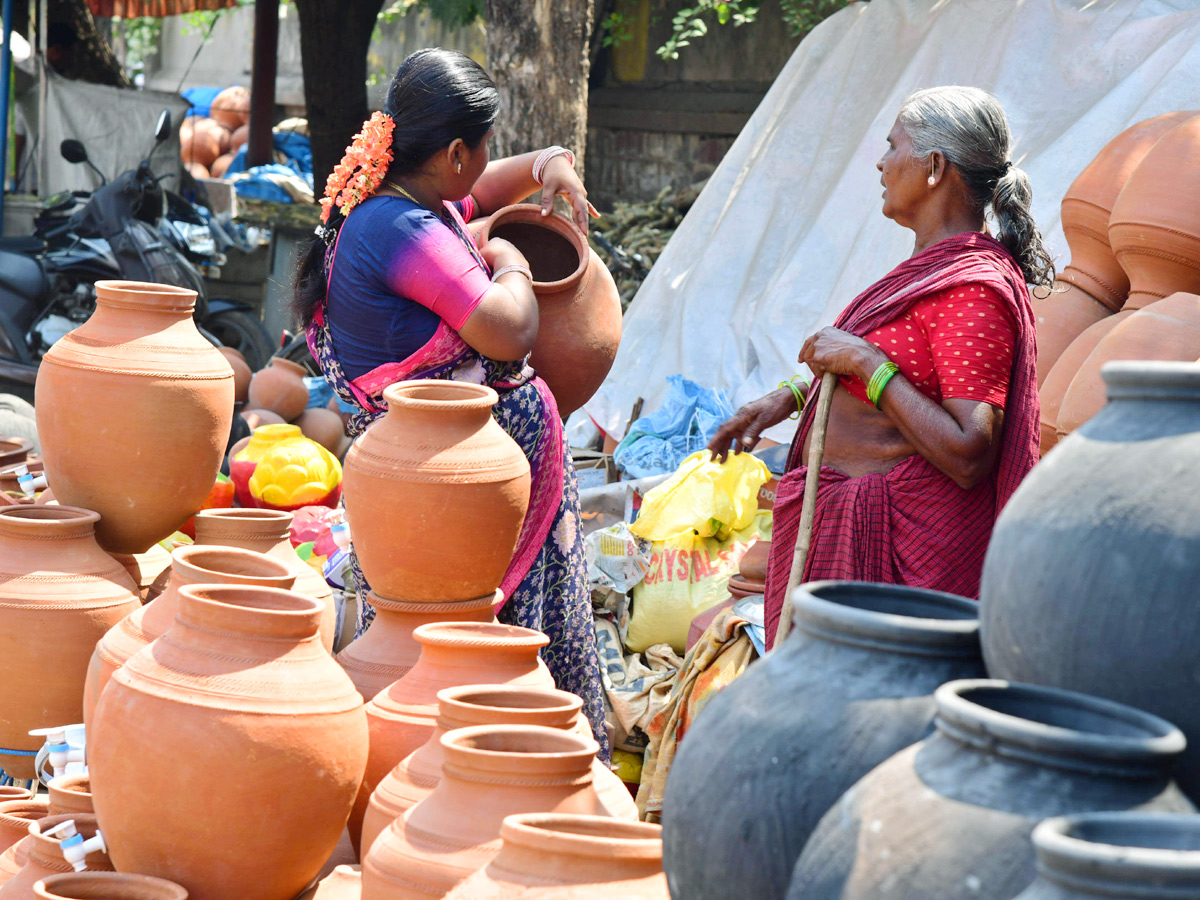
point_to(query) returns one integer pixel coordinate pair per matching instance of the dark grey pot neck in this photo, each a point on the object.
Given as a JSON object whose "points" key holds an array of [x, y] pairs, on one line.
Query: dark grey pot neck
{"points": [[887, 618], [1061, 729], [1172, 381], [1148, 856]]}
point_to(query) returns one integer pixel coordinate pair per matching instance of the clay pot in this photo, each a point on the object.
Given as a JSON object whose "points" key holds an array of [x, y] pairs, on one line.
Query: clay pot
{"points": [[403, 716], [1062, 315], [244, 458], [738, 811], [1098, 549], [15, 816], [199, 147], [579, 306], [44, 856], [753, 568], [10, 792], [951, 816], [387, 650], [59, 593], [231, 107], [198, 171], [14, 450], [1154, 228], [133, 410], [70, 794], [267, 531], [9, 477], [146, 569], [241, 373], [242, 668], [549, 856], [1104, 855], [435, 494], [415, 777], [146, 624], [280, 388], [326, 428], [107, 886], [220, 164], [256, 418], [240, 136], [1166, 330], [490, 772]]}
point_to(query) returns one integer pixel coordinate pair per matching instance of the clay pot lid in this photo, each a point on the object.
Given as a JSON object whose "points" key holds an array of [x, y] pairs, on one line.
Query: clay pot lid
{"points": [[215, 564], [1124, 848], [491, 635], [145, 295], [107, 886], [437, 395], [481, 703], [581, 835], [531, 214], [747, 587]]}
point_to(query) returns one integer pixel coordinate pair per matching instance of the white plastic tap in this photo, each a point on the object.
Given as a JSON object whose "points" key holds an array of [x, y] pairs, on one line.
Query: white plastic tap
{"points": [[74, 848], [64, 749], [30, 483]]}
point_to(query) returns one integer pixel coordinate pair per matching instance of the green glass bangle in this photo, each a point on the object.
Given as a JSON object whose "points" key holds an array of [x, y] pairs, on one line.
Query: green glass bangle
{"points": [[879, 381], [799, 397]]}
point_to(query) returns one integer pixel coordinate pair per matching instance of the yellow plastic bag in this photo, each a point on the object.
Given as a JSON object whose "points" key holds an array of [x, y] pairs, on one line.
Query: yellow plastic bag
{"points": [[704, 497]]}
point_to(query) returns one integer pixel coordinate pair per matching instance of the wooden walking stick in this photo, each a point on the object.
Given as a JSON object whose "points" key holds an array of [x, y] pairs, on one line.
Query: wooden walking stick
{"points": [[808, 511]]}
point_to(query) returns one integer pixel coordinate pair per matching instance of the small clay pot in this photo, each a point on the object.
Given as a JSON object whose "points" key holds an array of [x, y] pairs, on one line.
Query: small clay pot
{"points": [[71, 794], [280, 388], [241, 372], [15, 816], [231, 107], [753, 568], [326, 428], [107, 886], [45, 855], [220, 165], [240, 136], [256, 418]]}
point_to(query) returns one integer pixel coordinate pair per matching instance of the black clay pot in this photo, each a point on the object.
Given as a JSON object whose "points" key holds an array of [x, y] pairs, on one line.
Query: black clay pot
{"points": [[1101, 856], [950, 818], [1091, 578], [772, 752]]}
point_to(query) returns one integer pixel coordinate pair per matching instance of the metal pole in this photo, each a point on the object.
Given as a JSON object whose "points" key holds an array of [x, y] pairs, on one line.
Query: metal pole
{"points": [[262, 81], [5, 84]]}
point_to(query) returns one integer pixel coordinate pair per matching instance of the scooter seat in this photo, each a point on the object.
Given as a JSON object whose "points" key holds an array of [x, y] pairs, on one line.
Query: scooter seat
{"points": [[22, 244], [22, 275]]}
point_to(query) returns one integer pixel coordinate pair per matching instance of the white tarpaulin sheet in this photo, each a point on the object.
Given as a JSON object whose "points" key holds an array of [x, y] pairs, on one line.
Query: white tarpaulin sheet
{"points": [[789, 228]]}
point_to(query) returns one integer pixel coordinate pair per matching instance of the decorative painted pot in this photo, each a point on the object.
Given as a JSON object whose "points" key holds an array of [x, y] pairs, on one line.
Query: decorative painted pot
{"points": [[59, 594], [280, 388], [403, 716], [737, 813], [1100, 856], [133, 411], [951, 816], [387, 650], [490, 772], [435, 494], [294, 473], [237, 707], [70, 794], [15, 816], [415, 776], [107, 886], [326, 428], [146, 624], [244, 458], [43, 855], [241, 373], [579, 307], [1154, 228], [1105, 518], [558, 856]]}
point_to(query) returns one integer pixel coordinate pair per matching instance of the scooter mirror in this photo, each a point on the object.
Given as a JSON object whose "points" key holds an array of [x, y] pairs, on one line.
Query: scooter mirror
{"points": [[72, 151], [162, 130]]}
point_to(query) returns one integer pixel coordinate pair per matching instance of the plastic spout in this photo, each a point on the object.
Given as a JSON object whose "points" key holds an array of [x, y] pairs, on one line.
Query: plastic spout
{"points": [[74, 848]]}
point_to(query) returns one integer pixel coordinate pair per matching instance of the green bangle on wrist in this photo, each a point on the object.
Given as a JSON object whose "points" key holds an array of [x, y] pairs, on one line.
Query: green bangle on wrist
{"points": [[796, 391], [879, 381]]}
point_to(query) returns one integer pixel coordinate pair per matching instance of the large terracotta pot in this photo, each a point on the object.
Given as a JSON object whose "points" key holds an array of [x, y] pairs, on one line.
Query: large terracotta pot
{"points": [[107, 886], [579, 307], [403, 716], [70, 794], [15, 816], [1090, 578], [44, 856], [268, 531], [387, 650], [133, 411], [1154, 228], [280, 388], [1099, 856], [490, 772], [738, 811], [227, 755], [59, 594], [146, 624], [951, 817], [415, 777], [1166, 330], [558, 856], [435, 494]]}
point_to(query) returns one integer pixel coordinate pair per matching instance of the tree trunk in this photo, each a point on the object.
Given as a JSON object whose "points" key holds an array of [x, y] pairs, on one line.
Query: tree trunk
{"points": [[94, 59], [334, 39], [537, 54]]}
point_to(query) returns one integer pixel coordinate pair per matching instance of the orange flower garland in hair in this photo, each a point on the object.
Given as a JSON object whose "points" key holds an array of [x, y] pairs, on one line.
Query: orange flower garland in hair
{"points": [[362, 169]]}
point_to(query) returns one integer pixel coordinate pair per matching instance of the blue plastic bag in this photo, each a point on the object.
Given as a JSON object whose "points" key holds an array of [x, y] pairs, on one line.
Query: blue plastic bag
{"points": [[685, 422]]}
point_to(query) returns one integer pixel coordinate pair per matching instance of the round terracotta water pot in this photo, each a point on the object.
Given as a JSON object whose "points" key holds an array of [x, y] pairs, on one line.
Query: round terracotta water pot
{"points": [[146, 624], [403, 716], [579, 307], [236, 709], [59, 594], [15, 816], [1090, 578], [1100, 856], [107, 886], [70, 794], [324, 427], [1061, 314], [558, 856], [133, 411], [268, 531], [737, 813], [241, 373], [44, 855], [280, 388], [490, 772], [951, 816], [415, 777], [1154, 228], [435, 494]]}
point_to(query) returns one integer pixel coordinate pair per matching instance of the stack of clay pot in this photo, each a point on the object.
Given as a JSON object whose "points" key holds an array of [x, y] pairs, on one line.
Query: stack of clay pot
{"points": [[1134, 232], [276, 395], [208, 143]]}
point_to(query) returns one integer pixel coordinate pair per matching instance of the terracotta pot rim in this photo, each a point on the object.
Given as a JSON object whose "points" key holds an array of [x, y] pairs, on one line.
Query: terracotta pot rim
{"points": [[216, 564], [1122, 847], [13, 812], [1057, 728], [45, 521], [531, 214], [71, 784], [746, 586], [245, 514], [67, 886], [492, 635], [479, 745], [1151, 380], [572, 834], [263, 613], [439, 395], [145, 295], [14, 792], [459, 702], [457, 606]]}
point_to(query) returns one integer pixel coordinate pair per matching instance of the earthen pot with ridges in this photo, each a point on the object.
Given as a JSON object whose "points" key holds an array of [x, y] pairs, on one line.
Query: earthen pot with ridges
{"points": [[107, 886], [280, 388], [579, 306], [268, 531], [560, 856], [1058, 381], [415, 777], [59, 594], [70, 794], [133, 411], [1062, 314], [190, 565], [489, 772], [15, 816], [44, 855], [241, 718], [403, 716], [435, 494], [1154, 228]]}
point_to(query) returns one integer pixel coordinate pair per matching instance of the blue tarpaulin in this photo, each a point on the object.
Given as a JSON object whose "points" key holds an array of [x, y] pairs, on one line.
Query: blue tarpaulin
{"points": [[686, 422]]}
